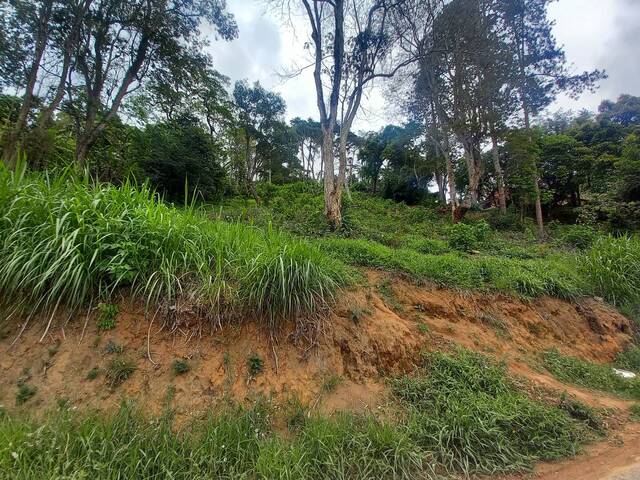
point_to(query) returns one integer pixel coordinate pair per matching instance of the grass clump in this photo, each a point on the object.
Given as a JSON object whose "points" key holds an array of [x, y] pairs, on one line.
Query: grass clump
{"points": [[119, 370], [93, 373], [237, 443], [613, 267], [465, 410], [468, 236], [66, 241], [590, 375], [113, 348], [25, 393], [180, 366], [634, 412]]}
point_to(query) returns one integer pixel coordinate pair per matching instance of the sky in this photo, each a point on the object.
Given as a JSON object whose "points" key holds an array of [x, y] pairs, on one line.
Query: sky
{"points": [[603, 34]]}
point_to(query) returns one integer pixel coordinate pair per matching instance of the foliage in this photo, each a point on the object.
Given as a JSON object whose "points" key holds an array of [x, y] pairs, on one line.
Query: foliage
{"points": [[579, 236], [590, 375], [629, 359], [119, 370], [237, 443], [107, 316], [180, 366], [66, 241], [255, 365], [466, 411], [25, 392], [466, 237], [612, 265]]}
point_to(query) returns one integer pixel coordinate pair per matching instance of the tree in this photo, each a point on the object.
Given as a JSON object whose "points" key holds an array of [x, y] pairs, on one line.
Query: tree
{"points": [[309, 135], [260, 114], [541, 71], [626, 111]]}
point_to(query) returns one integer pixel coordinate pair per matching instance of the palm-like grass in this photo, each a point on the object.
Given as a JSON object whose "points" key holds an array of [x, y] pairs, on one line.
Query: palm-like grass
{"points": [[67, 240]]}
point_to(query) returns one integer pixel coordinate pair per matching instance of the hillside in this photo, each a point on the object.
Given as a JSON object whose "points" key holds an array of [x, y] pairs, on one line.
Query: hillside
{"points": [[403, 346]]}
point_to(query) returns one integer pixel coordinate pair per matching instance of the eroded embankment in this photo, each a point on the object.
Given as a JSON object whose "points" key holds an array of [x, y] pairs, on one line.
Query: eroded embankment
{"points": [[375, 331]]}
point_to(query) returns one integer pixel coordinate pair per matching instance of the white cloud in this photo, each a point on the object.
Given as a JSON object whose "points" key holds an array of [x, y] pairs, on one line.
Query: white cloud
{"points": [[601, 34]]}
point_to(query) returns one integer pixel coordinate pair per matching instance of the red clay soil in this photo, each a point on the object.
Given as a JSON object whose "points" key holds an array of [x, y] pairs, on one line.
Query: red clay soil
{"points": [[374, 332]]}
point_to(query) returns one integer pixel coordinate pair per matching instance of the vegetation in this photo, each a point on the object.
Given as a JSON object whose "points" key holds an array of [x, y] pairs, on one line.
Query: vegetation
{"points": [[462, 412], [467, 412], [590, 375], [119, 370], [180, 366], [25, 392], [66, 241], [107, 316]]}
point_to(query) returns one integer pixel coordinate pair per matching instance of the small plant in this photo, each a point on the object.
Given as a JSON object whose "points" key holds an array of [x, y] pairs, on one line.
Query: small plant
{"points": [[358, 313], [634, 412], [423, 328], [119, 370], [467, 237], [255, 364], [107, 317], [113, 348], [93, 373], [582, 413], [331, 383], [25, 392], [180, 366]]}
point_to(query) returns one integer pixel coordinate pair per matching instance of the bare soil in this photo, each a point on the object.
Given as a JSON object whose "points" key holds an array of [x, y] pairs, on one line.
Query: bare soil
{"points": [[376, 331]]}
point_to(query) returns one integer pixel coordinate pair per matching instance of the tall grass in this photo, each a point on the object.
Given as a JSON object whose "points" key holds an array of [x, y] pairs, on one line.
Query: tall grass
{"points": [[66, 240], [613, 266], [466, 411], [237, 444]]}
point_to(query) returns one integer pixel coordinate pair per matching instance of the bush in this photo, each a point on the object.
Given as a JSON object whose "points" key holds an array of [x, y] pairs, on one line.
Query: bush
{"points": [[466, 411], [579, 236], [505, 222], [466, 237], [629, 359], [429, 246]]}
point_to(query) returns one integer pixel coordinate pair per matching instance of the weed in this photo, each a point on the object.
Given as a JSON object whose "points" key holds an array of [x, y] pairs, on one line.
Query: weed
{"points": [[255, 365], [590, 375], [107, 316], [331, 383], [118, 370], [93, 373], [423, 328], [180, 366], [113, 348], [583, 413], [496, 323], [25, 392], [356, 314], [634, 412]]}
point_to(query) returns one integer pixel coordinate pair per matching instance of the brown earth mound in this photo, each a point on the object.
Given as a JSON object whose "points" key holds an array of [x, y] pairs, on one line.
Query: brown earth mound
{"points": [[374, 332]]}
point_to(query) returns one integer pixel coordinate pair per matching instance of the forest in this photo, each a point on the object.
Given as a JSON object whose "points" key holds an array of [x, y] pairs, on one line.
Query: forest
{"points": [[194, 284]]}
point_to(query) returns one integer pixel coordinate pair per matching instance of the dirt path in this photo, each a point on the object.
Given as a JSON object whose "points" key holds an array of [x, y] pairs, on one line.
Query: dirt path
{"points": [[617, 458]]}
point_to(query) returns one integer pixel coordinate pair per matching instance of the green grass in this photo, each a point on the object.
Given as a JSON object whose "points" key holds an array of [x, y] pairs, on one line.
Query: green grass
{"points": [[465, 410], [69, 241], [590, 375], [118, 371], [236, 444], [180, 366], [25, 393], [555, 275], [629, 359]]}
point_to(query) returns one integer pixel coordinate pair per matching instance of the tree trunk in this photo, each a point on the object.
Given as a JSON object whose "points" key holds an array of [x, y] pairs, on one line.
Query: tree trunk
{"points": [[502, 198], [12, 138], [474, 170], [332, 186], [442, 196]]}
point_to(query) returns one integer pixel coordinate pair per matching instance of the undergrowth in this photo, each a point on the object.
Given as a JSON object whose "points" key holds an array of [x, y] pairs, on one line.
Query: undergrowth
{"points": [[66, 240], [474, 420], [590, 375]]}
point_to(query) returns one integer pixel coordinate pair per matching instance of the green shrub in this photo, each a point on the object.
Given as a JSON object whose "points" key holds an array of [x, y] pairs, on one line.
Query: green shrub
{"points": [[466, 411], [579, 236], [590, 375], [428, 246], [180, 366], [255, 365], [505, 222], [25, 392], [612, 265], [468, 236], [107, 317]]}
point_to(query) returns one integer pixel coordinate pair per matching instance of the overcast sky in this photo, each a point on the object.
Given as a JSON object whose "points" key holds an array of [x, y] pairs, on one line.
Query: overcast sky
{"points": [[601, 34]]}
